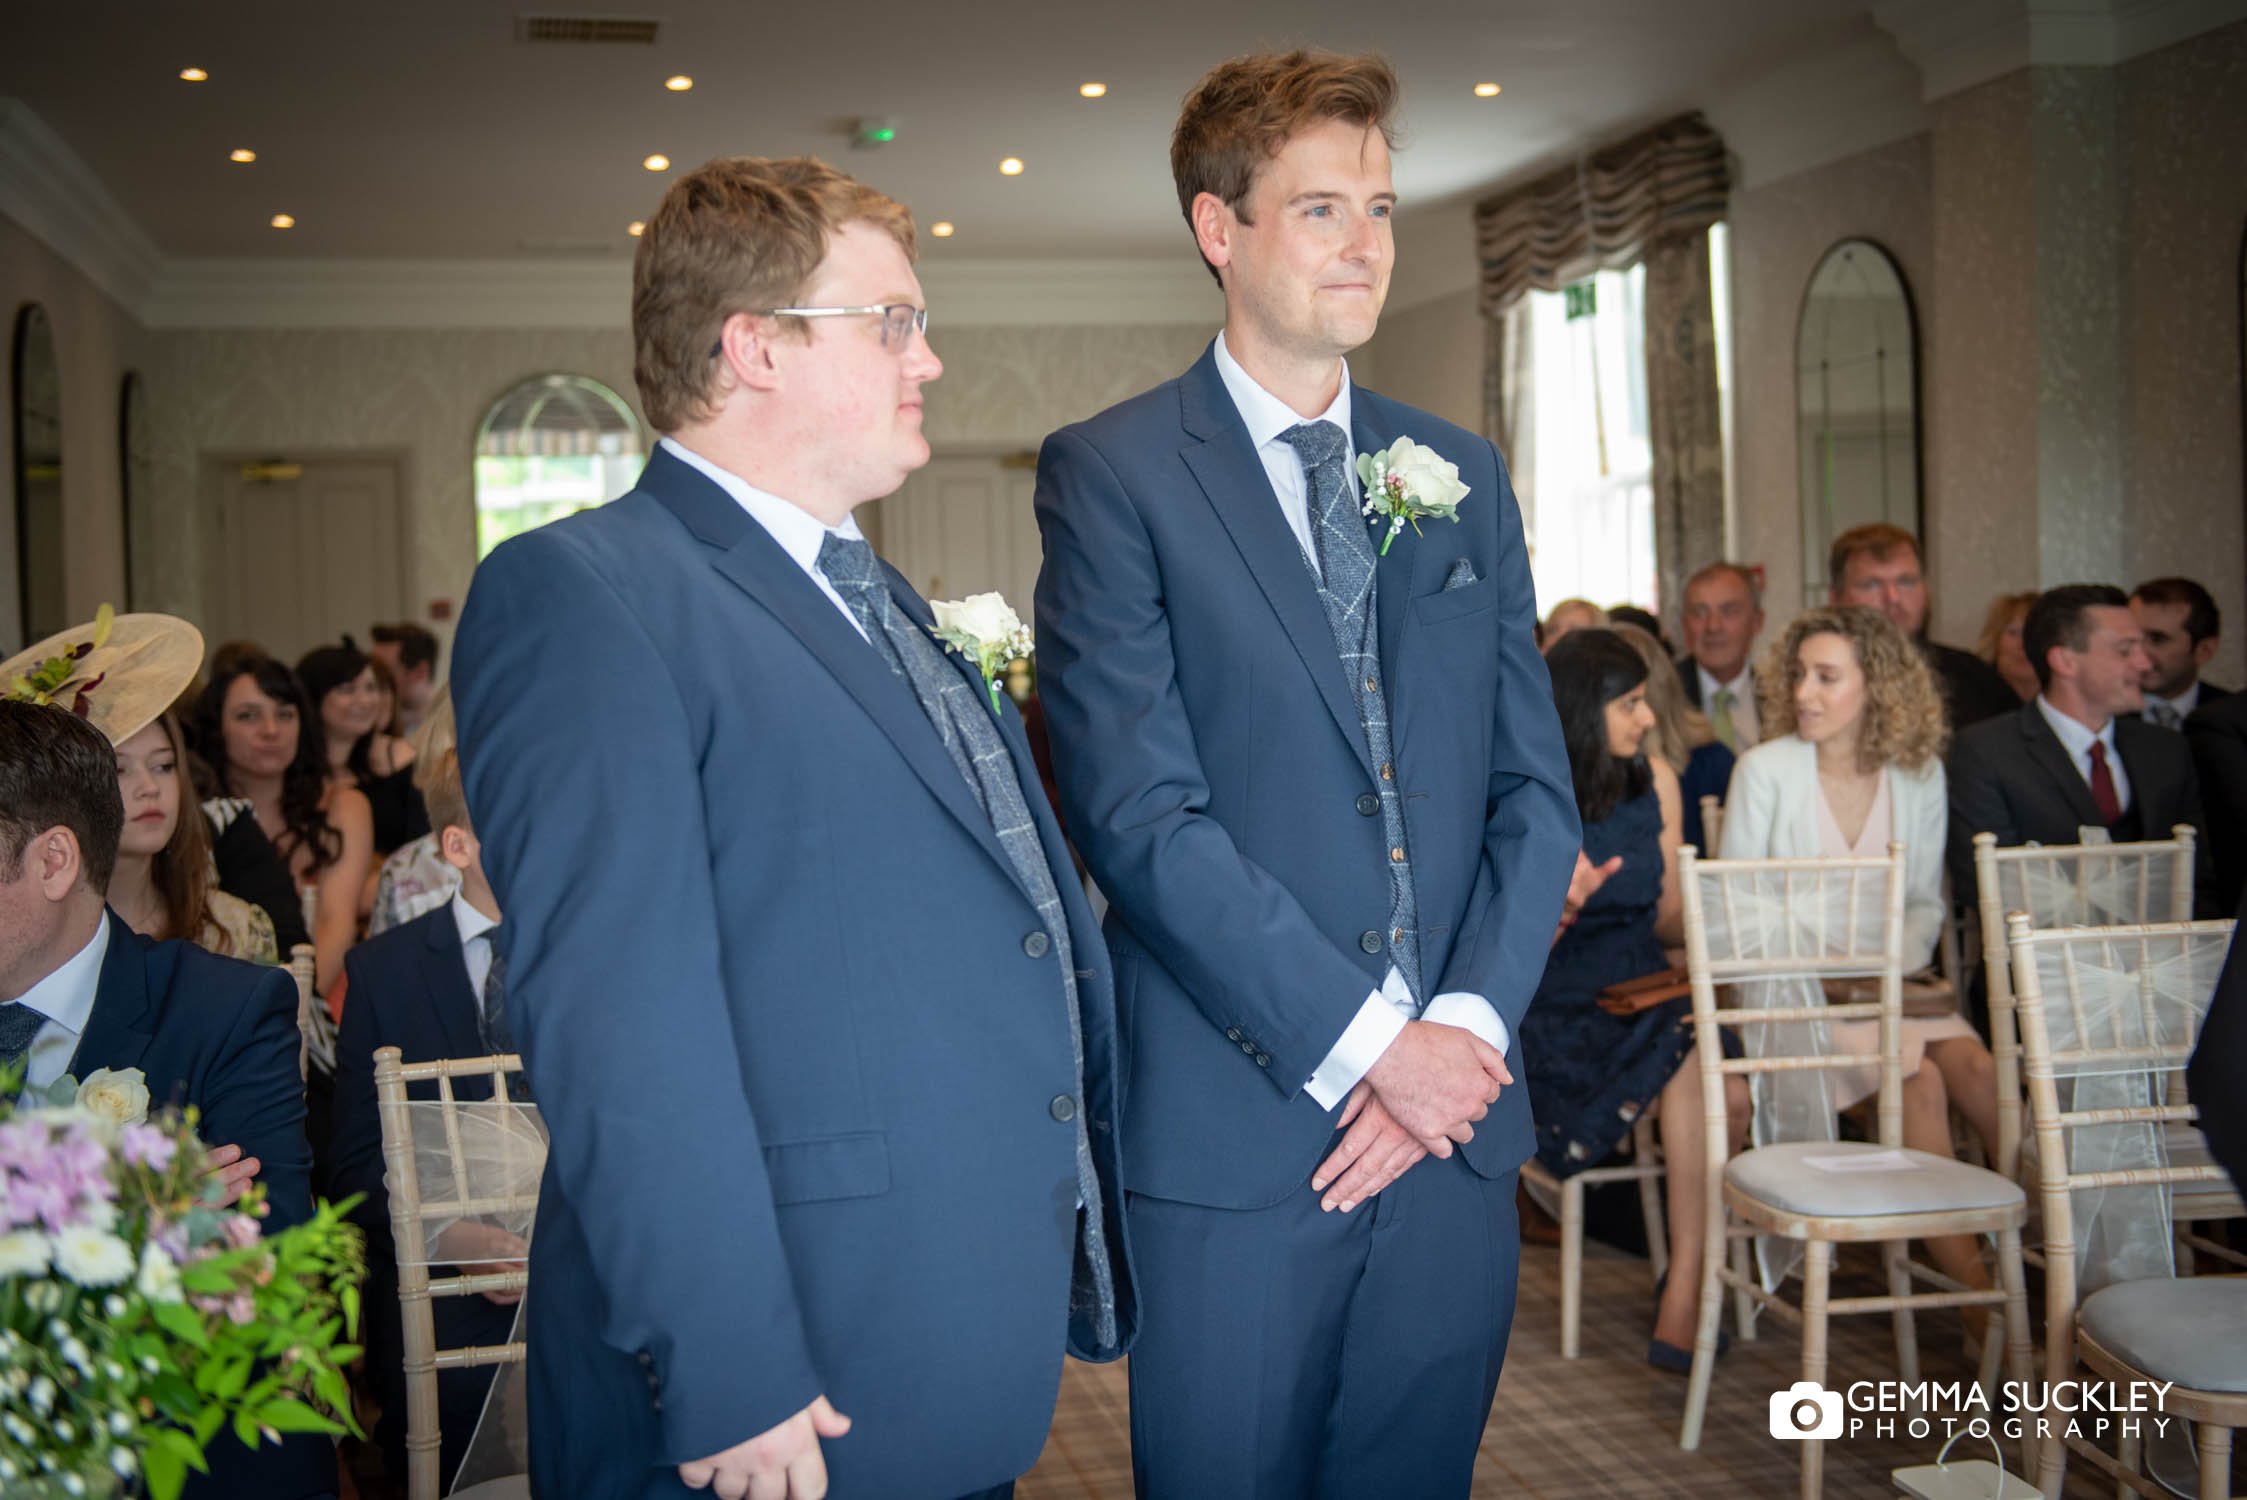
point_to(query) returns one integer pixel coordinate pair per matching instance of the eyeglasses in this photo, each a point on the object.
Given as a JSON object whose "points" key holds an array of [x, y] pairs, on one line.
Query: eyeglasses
{"points": [[900, 320]]}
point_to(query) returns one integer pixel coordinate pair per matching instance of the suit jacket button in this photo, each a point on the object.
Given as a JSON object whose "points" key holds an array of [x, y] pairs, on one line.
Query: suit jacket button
{"points": [[1232, 1033], [1368, 804], [1263, 1059], [1248, 1047], [1037, 944], [1370, 941], [647, 1361], [1063, 1108]]}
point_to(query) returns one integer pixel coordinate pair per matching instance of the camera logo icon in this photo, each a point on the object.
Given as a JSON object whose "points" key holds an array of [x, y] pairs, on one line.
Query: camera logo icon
{"points": [[1805, 1409]]}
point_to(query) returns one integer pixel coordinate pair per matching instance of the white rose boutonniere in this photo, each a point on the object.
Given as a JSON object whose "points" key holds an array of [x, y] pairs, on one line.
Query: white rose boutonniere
{"points": [[985, 629], [116, 1096], [1408, 482]]}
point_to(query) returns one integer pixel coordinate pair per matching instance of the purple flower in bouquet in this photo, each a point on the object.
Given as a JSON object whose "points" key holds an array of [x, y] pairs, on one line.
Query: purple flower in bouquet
{"points": [[146, 1146]]}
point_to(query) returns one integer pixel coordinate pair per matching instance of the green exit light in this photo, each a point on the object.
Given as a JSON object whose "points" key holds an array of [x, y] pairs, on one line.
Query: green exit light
{"points": [[874, 132], [884, 133]]}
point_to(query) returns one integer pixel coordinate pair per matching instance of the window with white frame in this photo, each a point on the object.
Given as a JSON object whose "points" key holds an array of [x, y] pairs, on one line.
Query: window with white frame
{"points": [[553, 445]]}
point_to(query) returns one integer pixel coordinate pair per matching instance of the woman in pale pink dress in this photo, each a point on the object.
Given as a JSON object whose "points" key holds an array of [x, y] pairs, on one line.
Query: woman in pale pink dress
{"points": [[1851, 762]]}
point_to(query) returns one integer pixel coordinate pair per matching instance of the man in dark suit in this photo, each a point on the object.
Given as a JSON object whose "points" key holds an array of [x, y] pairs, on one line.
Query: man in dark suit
{"points": [[2219, 1063], [1723, 616], [79, 991], [1879, 566], [818, 1019], [2181, 626], [431, 989], [2217, 736], [1315, 767], [2072, 758]]}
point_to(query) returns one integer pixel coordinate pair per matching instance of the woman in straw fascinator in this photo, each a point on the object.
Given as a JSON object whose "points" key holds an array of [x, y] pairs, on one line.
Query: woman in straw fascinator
{"points": [[121, 674]]}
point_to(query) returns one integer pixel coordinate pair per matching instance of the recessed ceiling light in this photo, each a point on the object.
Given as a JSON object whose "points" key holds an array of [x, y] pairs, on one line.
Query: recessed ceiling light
{"points": [[194, 75], [241, 154], [1092, 90], [1486, 91], [1011, 167], [943, 229], [284, 221], [657, 163], [636, 228], [678, 83]]}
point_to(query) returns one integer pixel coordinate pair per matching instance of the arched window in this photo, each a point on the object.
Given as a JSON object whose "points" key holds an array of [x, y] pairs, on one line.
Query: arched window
{"points": [[553, 445]]}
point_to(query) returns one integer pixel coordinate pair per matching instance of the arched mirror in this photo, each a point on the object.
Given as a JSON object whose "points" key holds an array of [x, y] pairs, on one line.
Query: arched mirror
{"points": [[552, 445], [1856, 402], [37, 387], [135, 466]]}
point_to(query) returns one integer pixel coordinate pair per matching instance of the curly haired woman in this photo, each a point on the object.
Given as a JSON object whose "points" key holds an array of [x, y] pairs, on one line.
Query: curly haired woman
{"points": [[1854, 763]]}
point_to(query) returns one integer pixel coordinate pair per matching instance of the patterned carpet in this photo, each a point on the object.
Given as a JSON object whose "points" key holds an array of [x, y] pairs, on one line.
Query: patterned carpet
{"points": [[1604, 1424]]}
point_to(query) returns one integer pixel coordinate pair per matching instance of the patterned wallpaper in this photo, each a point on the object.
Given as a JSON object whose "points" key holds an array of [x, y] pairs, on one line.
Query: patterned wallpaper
{"points": [[423, 393]]}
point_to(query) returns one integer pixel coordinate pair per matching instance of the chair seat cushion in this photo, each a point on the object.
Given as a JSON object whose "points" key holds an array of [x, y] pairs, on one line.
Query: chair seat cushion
{"points": [[2192, 1331], [1855, 1179]]}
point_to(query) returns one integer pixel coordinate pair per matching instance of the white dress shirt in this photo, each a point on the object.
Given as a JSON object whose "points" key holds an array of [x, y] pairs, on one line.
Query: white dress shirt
{"points": [[475, 944], [1386, 1009], [2077, 740], [1746, 728], [66, 999], [2181, 706], [797, 530]]}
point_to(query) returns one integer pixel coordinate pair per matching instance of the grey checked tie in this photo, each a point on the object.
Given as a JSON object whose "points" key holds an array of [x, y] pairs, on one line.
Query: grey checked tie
{"points": [[491, 1019], [19, 1024], [962, 719], [1346, 567], [2163, 716]]}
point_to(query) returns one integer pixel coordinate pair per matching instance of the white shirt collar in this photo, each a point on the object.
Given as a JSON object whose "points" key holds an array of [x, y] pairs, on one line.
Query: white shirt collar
{"points": [[1739, 686], [2074, 735], [66, 997], [2182, 705], [1266, 415], [471, 923], [798, 531]]}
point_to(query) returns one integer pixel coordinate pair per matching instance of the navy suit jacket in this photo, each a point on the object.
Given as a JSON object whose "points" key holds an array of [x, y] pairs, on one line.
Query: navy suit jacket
{"points": [[221, 1035], [1212, 767], [408, 989], [797, 1035]]}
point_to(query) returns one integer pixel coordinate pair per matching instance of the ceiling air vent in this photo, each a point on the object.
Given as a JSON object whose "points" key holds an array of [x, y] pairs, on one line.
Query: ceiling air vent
{"points": [[627, 30]]}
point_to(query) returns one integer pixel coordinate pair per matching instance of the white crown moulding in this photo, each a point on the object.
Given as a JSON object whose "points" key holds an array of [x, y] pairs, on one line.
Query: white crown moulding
{"points": [[1960, 43], [48, 189]]}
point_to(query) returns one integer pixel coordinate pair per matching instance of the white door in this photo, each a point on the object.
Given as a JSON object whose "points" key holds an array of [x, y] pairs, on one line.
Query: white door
{"points": [[306, 551], [960, 526]]}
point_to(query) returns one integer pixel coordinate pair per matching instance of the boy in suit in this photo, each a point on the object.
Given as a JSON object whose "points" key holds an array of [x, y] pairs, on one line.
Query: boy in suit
{"points": [[433, 989]]}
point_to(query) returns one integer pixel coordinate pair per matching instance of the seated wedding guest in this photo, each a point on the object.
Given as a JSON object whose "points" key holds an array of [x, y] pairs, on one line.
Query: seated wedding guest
{"points": [[2217, 736], [79, 991], [2078, 758], [1855, 764], [1723, 617], [1879, 566], [166, 881], [264, 745], [1681, 737], [2000, 642], [410, 652], [340, 681], [1592, 1073], [1644, 619], [433, 989], [2179, 621], [1568, 615], [247, 865]]}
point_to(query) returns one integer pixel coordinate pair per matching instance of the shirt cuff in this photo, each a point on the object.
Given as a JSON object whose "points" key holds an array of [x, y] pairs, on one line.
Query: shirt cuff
{"points": [[1363, 1041], [1469, 1012]]}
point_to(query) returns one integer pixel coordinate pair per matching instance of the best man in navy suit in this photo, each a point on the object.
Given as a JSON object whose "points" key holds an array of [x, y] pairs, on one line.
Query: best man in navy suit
{"points": [[80, 990], [819, 1021], [1320, 779], [431, 989]]}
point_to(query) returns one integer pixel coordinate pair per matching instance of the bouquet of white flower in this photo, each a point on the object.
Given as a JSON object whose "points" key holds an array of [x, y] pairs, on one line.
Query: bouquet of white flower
{"points": [[139, 1317]]}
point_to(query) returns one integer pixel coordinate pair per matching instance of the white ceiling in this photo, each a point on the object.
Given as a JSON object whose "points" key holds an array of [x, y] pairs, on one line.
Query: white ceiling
{"points": [[424, 130]]}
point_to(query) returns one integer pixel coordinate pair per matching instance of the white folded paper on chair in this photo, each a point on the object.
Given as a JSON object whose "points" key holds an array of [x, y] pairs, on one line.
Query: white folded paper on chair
{"points": [[1864, 1161]]}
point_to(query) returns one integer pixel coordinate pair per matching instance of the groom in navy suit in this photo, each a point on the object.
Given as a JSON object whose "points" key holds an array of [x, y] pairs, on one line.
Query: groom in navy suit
{"points": [[817, 1015], [1316, 769]]}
